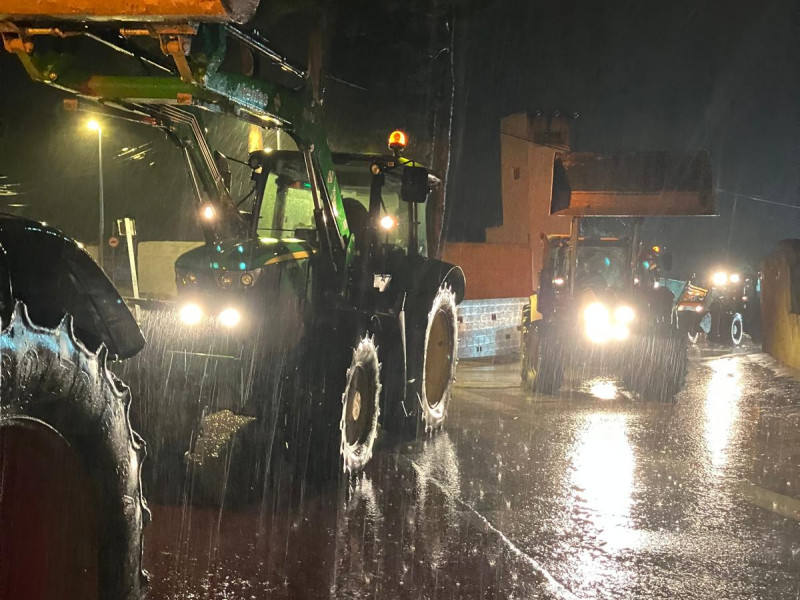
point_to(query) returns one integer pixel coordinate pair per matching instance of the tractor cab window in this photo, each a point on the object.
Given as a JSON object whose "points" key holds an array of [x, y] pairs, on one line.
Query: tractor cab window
{"points": [[599, 265], [354, 179], [602, 265], [287, 204]]}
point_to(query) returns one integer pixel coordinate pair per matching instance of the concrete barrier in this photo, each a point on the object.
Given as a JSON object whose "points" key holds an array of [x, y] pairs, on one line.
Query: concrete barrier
{"points": [[489, 327]]}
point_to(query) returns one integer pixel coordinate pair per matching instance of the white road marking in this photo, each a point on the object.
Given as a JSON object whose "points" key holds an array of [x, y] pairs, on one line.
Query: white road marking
{"points": [[553, 584]]}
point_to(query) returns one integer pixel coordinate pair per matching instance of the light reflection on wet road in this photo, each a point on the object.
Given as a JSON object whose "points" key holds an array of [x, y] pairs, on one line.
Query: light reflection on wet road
{"points": [[590, 494]]}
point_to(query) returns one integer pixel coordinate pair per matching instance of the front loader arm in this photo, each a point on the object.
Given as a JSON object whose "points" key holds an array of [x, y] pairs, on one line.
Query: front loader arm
{"points": [[197, 79]]}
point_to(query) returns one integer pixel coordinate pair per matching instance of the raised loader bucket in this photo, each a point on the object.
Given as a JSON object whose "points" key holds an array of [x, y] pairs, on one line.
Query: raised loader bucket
{"points": [[637, 184], [219, 11]]}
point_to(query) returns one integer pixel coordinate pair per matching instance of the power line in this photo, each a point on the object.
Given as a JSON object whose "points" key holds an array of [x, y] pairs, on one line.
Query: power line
{"points": [[757, 199]]}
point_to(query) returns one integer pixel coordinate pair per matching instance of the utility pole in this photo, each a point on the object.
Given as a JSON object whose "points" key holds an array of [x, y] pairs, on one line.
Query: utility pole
{"points": [[95, 126]]}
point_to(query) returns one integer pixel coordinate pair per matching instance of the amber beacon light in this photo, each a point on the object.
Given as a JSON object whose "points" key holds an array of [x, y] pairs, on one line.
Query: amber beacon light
{"points": [[397, 140]]}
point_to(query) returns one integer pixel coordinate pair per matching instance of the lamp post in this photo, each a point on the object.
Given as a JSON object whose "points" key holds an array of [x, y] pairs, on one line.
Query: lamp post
{"points": [[95, 126]]}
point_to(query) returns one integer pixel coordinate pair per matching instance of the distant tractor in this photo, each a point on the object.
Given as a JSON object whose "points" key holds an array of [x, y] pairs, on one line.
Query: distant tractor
{"points": [[722, 309], [599, 307]]}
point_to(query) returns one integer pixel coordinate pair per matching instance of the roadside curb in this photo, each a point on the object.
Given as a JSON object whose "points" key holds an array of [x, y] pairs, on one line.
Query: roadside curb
{"points": [[774, 365]]}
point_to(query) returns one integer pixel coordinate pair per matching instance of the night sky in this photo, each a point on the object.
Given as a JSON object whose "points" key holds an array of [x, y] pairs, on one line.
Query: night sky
{"points": [[683, 75]]}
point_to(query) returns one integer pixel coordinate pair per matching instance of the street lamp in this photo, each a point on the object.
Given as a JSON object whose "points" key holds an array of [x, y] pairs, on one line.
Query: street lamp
{"points": [[93, 125]]}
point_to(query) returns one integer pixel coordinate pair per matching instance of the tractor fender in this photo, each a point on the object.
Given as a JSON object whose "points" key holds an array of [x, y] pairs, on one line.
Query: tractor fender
{"points": [[424, 280], [53, 277]]}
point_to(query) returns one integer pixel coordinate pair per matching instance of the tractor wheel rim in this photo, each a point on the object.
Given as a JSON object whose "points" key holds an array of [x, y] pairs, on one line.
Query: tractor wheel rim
{"points": [[438, 358], [736, 330], [357, 411]]}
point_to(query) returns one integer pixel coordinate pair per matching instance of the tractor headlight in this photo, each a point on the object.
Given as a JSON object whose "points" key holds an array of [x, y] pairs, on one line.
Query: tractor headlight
{"points": [[596, 313], [719, 278], [601, 326], [230, 317], [624, 314], [597, 320], [190, 313]]}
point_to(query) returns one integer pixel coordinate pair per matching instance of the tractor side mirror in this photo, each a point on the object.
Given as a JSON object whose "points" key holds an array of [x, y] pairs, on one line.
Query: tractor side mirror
{"points": [[414, 187]]}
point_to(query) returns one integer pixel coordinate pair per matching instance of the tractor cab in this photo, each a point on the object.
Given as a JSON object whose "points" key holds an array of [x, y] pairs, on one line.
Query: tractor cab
{"points": [[600, 267], [291, 225]]}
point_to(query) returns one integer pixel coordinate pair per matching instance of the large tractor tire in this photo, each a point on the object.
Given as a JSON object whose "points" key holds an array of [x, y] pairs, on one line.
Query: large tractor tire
{"points": [[358, 425], [331, 410], [542, 361], [439, 359], [659, 364], [71, 507]]}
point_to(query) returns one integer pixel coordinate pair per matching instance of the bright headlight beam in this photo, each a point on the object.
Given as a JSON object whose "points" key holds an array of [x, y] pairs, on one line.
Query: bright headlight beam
{"points": [[230, 317], [596, 312], [387, 223], [734, 278], [621, 332], [598, 323], [719, 278], [624, 314], [208, 212], [191, 314]]}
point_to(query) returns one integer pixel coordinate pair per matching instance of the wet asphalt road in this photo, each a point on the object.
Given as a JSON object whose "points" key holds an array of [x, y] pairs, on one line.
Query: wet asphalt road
{"points": [[588, 494]]}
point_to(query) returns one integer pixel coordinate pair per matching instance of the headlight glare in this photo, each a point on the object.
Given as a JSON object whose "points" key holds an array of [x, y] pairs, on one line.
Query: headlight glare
{"points": [[190, 314], [621, 332], [719, 278], [600, 327], [596, 313], [624, 314], [230, 317]]}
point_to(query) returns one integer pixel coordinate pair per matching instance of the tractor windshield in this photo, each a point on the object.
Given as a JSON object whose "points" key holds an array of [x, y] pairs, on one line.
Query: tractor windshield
{"points": [[601, 264], [604, 266], [354, 178], [288, 204]]}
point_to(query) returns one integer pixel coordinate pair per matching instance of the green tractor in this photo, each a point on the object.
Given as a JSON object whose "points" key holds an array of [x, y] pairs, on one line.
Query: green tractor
{"points": [[291, 331], [306, 321]]}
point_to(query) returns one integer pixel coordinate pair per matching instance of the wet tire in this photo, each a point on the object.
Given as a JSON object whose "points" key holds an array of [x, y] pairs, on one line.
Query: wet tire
{"points": [[659, 364], [329, 417], [360, 407], [542, 367], [71, 507], [440, 358], [736, 329]]}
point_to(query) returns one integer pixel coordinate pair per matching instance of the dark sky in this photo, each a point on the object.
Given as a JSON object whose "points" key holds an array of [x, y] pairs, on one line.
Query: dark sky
{"points": [[682, 75]]}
